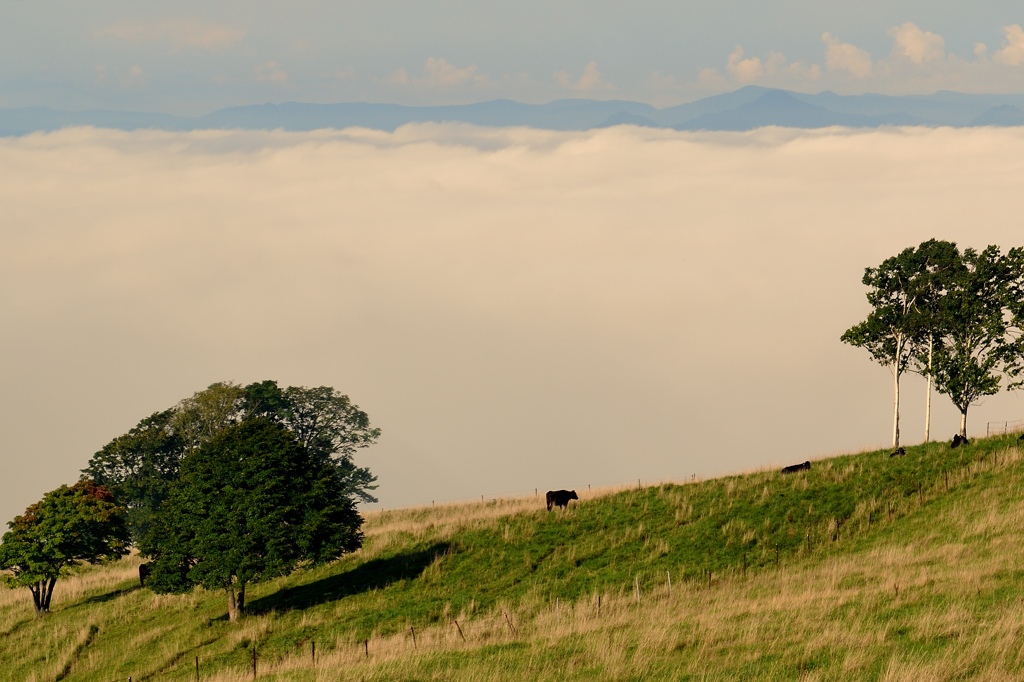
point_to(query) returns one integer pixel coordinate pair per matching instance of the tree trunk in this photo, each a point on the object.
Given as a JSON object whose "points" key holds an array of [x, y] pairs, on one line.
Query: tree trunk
{"points": [[928, 394], [963, 424], [895, 405], [49, 594], [42, 592], [37, 601], [236, 602]]}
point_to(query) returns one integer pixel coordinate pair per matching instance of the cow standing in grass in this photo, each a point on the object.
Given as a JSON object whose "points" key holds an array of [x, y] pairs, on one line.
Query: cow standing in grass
{"points": [[806, 466], [560, 498]]}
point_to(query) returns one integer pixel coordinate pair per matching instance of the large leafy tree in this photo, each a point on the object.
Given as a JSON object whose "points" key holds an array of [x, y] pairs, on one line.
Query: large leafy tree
{"points": [[138, 468], [250, 504], [69, 526], [899, 291], [140, 465], [978, 332]]}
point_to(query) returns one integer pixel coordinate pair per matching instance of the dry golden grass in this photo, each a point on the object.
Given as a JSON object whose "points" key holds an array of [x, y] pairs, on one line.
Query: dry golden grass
{"points": [[938, 596]]}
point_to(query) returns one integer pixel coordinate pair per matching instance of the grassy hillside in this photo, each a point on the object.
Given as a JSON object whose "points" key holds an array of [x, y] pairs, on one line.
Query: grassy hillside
{"points": [[865, 567]]}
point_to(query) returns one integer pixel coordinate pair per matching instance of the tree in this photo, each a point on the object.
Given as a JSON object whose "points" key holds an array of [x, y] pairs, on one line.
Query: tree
{"points": [[140, 465], [67, 527], [978, 335], [251, 504], [138, 468], [894, 328], [938, 260]]}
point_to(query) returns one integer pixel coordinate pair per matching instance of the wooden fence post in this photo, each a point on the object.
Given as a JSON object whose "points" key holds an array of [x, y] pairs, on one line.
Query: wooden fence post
{"points": [[668, 577], [459, 628], [413, 631], [512, 628]]}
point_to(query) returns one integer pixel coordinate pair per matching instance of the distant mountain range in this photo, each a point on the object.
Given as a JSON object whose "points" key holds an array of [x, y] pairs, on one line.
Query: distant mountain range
{"points": [[745, 109]]}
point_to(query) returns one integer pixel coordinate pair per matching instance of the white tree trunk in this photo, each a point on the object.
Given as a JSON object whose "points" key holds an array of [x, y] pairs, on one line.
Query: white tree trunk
{"points": [[963, 424], [928, 394], [895, 405]]}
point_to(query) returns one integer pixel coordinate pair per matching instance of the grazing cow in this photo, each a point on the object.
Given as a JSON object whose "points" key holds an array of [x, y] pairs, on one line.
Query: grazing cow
{"points": [[560, 498], [806, 466], [958, 441], [1021, 437], [143, 573], [898, 452]]}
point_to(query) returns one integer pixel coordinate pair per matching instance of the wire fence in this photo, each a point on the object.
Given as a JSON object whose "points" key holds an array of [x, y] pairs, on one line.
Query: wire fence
{"points": [[996, 428]]}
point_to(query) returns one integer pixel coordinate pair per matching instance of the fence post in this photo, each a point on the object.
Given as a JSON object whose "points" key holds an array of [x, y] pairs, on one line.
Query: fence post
{"points": [[668, 576], [459, 628], [312, 648], [413, 631], [366, 648], [636, 587], [197, 669], [512, 628]]}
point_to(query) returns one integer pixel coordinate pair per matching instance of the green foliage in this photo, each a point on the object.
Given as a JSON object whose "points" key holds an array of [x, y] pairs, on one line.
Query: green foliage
{"points": [[140, 465], [138, 468], [250, 504], [67, 527], [976, 328]]}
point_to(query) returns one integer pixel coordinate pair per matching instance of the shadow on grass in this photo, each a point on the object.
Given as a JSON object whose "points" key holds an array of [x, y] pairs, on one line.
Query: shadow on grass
{"points": [[372, 575], [110, 596]]}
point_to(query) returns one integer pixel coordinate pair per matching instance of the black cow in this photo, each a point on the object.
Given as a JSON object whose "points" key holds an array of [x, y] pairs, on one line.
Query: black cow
{"points": [[806, 466], [560, 498], [1021, 437], [143, 573], [958, 441], [898, 452]]}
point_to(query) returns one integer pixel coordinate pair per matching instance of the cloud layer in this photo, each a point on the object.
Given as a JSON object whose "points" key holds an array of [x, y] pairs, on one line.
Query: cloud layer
{"points": [[516, 309]]}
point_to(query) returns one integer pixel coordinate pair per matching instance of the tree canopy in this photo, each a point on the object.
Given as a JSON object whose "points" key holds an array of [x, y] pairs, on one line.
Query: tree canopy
{"points": [[902, 292], [977, 331], [140, 465], [954, 317], [251, 503], [70, 525]]}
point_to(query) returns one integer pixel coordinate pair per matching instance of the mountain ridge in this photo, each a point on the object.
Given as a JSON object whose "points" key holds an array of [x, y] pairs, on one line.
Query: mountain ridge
{"points": [[747, 108]]}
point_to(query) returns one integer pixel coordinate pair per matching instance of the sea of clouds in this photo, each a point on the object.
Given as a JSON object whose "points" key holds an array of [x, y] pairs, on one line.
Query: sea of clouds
{"points": [[517, 309]]}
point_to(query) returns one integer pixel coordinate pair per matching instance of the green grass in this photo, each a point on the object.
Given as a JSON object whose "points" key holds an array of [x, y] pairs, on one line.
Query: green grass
{"points": [[864, 567]]}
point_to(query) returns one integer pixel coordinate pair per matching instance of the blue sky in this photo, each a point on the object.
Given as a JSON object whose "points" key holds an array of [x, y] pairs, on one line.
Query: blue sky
{"points": [[191, 57]]}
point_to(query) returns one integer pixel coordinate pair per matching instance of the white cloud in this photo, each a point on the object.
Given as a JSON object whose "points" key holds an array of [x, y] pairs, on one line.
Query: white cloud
{"points": [[458, 282], [179, 34], [271, 72], [134, 78], [840, 56], [1012, 53], [917, 45], [442, 73], [591, 79], [773, 70], [399, 77], [744, 70], [439, 74]]}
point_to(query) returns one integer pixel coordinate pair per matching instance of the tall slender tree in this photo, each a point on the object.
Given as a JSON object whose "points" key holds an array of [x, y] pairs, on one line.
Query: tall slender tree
{"points": [[939, 260], [978, 333], [895, 327]]}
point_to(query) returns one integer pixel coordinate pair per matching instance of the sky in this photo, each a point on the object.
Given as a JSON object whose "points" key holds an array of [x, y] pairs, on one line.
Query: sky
{"points": [[192, 57], [514, 308]]}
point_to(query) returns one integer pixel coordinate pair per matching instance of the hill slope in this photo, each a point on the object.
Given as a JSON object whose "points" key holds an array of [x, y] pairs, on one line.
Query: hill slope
{"points": [[864, 567]]}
